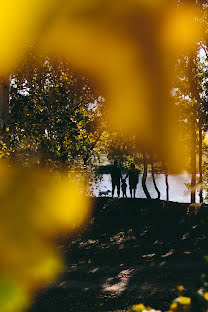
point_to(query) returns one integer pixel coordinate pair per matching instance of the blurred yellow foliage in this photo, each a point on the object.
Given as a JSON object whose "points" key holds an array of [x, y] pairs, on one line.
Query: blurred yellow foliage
{"points": [[13, 296], [128, 47], [206, 296], [21, 23], [184, 300], [181, 29], [173, 306], [206, 139], [137, 308], [181, 304], [125, 46], [35, 206], [180, 288], [141, 308]]}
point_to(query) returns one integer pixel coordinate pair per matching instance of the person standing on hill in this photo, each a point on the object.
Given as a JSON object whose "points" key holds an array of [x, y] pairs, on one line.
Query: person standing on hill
{"points": [[116, 178], [123, 187], [133, 175]]}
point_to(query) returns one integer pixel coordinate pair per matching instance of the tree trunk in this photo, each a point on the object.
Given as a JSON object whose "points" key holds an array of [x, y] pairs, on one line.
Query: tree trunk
{"points": [[193, 164], [166, 181], [144, 177], [167, 187], [200, 163], [195, 95], [4, 102], [153, 178]]}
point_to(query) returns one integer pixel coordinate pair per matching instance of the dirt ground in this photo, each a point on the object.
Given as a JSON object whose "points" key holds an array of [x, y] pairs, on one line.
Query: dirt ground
{"points": [[133, 251]]}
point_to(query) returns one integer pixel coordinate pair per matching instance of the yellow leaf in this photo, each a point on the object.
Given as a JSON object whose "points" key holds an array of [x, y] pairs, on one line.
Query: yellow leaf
{"points": [[138, 308], [206, 296], [184, 300]]}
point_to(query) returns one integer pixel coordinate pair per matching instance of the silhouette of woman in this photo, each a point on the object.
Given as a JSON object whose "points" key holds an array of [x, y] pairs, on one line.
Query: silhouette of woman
{"points": [[133, 175]]}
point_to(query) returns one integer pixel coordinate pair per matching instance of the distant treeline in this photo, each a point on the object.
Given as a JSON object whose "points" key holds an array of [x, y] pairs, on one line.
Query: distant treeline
{"points": [[107, 169]]}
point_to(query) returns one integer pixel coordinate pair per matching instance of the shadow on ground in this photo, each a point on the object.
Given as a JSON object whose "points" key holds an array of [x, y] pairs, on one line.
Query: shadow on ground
{"points": [[132, 251]]}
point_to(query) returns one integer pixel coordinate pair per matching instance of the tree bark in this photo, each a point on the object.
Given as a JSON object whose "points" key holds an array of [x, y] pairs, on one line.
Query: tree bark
{"points": [[153, 178], [193, 165], [4, 102], [200, 163], [167, 187], [144, 177], [194, 95], [166, 181]]}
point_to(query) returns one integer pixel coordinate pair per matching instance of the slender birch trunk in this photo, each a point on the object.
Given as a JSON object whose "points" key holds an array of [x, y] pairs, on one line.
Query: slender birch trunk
{"points": [[153, 177], [166, 181], [144, 177]]}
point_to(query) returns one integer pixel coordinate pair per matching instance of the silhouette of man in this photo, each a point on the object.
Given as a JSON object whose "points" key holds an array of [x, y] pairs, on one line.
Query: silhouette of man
{"points": [[133, 175], [116, 178]]}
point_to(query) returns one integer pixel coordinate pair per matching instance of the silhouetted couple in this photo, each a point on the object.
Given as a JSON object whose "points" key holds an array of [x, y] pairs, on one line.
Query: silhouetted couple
{"points": [[116, 178]]}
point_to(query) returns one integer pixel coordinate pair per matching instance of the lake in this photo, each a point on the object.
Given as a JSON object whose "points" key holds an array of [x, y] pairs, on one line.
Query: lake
{"points": [[177, 189]]}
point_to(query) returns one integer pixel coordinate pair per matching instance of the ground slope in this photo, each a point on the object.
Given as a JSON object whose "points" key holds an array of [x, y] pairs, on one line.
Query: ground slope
{"points": [[133, 250]]}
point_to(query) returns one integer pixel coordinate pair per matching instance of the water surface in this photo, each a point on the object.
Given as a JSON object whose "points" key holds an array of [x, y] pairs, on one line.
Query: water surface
{"points": [[177, 189]]}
